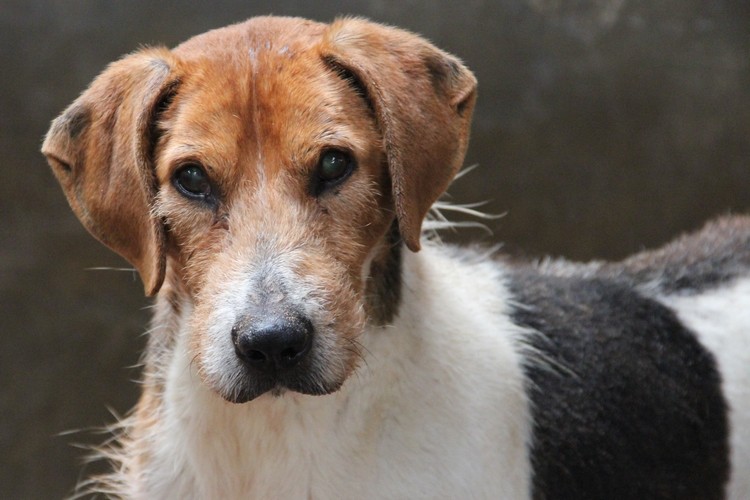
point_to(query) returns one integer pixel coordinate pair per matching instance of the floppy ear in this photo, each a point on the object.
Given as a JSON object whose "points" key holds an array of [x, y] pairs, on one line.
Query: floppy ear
{"points": [[422, 98], [101, 150]]}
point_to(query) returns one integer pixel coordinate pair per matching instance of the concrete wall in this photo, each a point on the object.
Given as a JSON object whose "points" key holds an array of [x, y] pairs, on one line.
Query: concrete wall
{"points": [[602, 127]]}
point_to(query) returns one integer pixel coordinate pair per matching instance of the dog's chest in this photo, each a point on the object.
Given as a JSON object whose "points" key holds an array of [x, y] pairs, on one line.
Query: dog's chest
{"points": [[274, 451]]}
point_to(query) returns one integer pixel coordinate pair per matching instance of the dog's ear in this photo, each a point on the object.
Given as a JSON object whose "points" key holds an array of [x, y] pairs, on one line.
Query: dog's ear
{"points": [[422, 98], [101, 150]]}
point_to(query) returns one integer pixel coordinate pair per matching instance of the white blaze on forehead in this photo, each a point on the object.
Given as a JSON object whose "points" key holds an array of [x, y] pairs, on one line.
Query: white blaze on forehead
{"points": [[254, 75]]}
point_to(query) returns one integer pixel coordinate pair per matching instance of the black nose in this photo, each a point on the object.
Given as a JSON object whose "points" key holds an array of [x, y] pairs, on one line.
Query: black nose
{"points": [[274, 344]]}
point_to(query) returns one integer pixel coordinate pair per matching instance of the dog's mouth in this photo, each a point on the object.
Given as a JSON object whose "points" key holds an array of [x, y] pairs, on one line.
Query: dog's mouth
{"points": [[249, 385]]}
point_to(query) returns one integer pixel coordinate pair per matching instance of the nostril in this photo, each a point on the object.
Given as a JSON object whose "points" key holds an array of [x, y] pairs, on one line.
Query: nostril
{"points": [[256, 356], [289, 354]]}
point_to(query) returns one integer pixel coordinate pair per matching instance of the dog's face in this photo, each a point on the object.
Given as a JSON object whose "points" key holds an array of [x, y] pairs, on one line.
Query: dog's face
{"points": [[264, 165]]}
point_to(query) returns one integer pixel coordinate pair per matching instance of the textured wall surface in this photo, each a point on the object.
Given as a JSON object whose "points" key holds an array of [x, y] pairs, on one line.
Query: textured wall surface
{"points": [[602, 127]]}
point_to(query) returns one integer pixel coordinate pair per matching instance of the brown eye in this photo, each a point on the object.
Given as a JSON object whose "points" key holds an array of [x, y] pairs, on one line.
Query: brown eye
{"points": [[333, 167], [191, 180]]}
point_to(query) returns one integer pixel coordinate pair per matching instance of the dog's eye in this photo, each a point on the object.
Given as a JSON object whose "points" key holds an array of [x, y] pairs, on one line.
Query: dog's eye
{"points": [[333, 167], [191, 180]]}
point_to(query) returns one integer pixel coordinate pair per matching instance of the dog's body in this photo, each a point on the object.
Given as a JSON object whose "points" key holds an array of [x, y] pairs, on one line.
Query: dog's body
{"points": [[267, 179]]}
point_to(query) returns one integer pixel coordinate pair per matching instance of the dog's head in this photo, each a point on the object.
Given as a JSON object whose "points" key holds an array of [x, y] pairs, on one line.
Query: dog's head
{"points": [[262, 167]]}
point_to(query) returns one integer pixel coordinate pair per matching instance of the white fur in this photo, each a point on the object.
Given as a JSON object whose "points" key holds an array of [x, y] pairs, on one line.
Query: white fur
{"points": [[436, 410], [721, 319]]}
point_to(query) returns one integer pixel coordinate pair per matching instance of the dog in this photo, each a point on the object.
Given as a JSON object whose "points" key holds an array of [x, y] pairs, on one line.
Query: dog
{"points": [[269, 181]]}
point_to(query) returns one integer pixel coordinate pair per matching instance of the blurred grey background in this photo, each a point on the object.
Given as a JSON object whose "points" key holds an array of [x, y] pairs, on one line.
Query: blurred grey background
{"points": [[602, 127]]}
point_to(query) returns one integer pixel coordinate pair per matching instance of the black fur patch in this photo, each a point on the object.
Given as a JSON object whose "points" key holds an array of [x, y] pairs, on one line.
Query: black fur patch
{"points": [[626, 403], [384, 283], [443, 71], [77, 120]]}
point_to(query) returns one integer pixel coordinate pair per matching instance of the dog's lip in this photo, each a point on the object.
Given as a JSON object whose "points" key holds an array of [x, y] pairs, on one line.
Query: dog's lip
{"points": [[253, 387]]}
